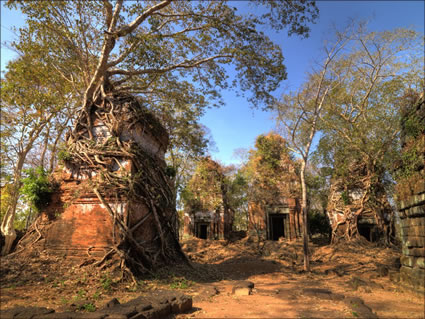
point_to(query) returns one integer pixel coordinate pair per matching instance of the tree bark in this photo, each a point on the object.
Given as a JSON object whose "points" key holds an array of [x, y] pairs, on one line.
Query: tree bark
{"points": [[7, 227], [305, 218]]}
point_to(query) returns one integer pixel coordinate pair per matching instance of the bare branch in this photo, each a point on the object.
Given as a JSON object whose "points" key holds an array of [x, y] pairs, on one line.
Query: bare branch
{"points": [[181, 65], [136, 22]]}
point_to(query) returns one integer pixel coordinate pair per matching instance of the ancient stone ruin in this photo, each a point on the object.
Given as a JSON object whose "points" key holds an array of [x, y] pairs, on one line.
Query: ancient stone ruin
{"points": [[351, 211], [158, 304], [274, 200], [280, 219], [207, 214], [411, 196], [113, 194], [208, 224]]}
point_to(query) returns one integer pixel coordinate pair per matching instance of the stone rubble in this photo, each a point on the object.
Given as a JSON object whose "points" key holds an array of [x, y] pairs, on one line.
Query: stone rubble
{"points": [[161, 304]]}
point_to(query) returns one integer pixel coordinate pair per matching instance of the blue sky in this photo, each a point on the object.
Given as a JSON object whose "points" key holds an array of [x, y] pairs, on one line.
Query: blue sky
{"points": [[236, 125]]}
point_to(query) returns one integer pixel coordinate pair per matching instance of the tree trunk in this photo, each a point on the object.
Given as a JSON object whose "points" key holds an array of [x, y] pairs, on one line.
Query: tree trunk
{"points": [[305, 218], [45, 145], [7, 225]]}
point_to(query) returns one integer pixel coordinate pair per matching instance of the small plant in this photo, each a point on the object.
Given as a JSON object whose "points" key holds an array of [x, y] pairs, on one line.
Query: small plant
{"points": [[355, 314], [64, 301], [96, 295], [64, 155], [180, 284], [345, 198], [89, 307], [80, 294], [106, 283], [37, 188]]}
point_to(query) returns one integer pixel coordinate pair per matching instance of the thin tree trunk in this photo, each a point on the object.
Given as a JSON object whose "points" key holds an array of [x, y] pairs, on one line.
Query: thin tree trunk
{"points": [[305, 218], [45, 145], [7, 225]]}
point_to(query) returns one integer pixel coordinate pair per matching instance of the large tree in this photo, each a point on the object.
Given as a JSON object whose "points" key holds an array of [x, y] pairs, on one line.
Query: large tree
{"points": [[31, 101], [298, 115], [363, 114], [126, 54], [353, 100]]}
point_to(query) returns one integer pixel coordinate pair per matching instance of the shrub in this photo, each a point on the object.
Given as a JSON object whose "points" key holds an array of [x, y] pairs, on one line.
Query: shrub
{"points": [[37, 188], [319, 223]]}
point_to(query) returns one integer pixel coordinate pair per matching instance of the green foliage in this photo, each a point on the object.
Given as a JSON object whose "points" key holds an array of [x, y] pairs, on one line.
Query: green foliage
{"points": [[37, 188], [89, 307], [205, 189], [106, 282], [345, 198], [96, 295], [360, 124], [180, 283], [318, 223], [270, 151], [412, 123], [64, 155], [270, 171], [237, 196]]}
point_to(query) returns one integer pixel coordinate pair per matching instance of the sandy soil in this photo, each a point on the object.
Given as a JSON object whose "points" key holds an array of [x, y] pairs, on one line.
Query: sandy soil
{"points": [[348, 270], [340, 274]]}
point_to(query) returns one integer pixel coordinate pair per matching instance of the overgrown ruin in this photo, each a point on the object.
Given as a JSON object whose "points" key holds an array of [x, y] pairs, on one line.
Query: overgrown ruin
{"points": [[358, 206], [282, 219], [274, 199], [410, 191], [113, 195], [207, 214]]}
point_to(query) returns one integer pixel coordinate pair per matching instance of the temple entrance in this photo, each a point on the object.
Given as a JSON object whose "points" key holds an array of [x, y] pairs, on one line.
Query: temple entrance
{"points": [[277, 226], [368, 231], [202, 230]]}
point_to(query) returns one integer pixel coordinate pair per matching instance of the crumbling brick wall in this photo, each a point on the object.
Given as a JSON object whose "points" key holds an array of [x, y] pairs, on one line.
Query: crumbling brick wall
{"points": [[77, 223], [261, 218], [411, 199]]}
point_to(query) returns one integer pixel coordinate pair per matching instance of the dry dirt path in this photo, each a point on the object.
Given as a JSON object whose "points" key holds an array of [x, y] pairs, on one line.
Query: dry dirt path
{"points": [[347, 281]]}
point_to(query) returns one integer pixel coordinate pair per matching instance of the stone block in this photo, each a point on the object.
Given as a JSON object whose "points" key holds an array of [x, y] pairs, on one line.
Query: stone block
{"points": [[413, 221], [159, 311], [415, 211], [25, 312], [59, 315], [415, 277], [414, 200], [394, 275], [410, 261], [243, 288], [417, 252], [238, 291], [181, 304], [414, 241], [413, 231]]}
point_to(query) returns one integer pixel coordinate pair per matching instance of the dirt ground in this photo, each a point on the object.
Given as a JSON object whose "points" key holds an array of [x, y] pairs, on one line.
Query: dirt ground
{"points": [[348, 280]]}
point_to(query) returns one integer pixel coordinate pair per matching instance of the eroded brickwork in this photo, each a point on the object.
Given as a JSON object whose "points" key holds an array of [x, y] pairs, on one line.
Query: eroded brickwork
{"points": [[411, 200], [77, 223]]}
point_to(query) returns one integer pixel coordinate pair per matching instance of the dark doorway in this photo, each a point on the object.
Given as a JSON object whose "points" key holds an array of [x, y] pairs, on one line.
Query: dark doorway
{"points": [[368, 231], [203, 231], [277, 226]]}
